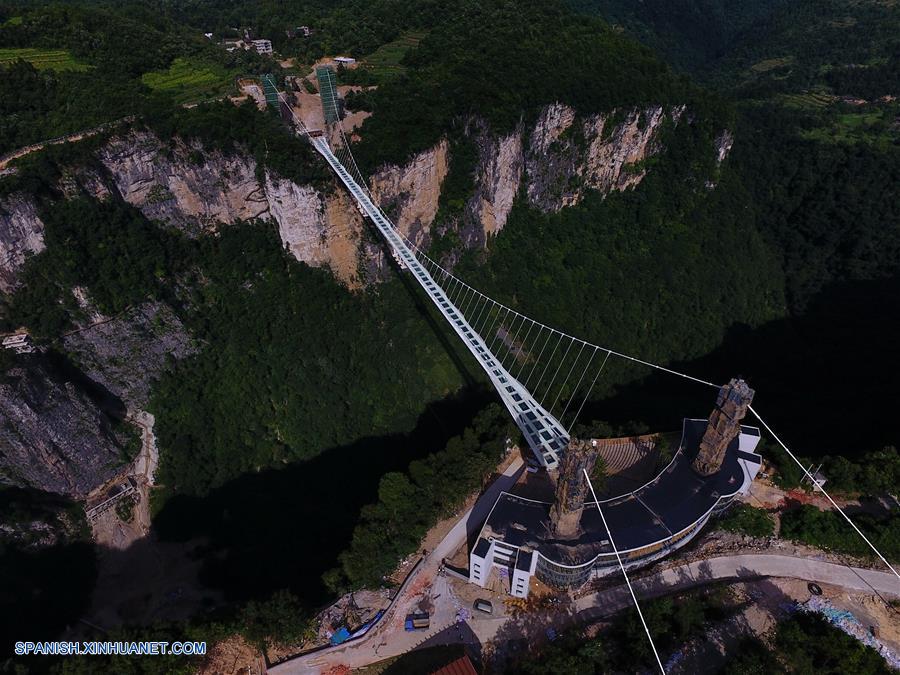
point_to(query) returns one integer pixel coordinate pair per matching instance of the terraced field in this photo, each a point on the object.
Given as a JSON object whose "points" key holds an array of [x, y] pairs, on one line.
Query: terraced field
{"points": [[189, 80], [809, 99], [385, 61], [43, 59]]}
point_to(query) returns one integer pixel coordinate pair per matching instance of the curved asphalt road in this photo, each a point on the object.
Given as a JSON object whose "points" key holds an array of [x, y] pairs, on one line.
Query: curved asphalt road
{"points": [[389, 639], [748, 566]]}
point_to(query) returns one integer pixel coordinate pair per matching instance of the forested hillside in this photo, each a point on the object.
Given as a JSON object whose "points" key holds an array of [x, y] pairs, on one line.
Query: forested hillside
{"points": [[762, 238]]}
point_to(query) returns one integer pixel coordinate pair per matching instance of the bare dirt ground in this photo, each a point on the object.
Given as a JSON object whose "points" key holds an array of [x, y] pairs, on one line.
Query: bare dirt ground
{"points": [[232, 656], [765, 602]]}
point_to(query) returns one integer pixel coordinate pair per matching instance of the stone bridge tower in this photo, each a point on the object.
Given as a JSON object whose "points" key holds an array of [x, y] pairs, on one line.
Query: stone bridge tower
{"points": [[724, 425], [571, 487]]}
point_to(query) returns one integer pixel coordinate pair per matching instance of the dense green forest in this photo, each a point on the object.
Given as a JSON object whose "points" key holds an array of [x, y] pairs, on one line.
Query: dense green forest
{"points": [[802, 643], [344, 423], [766, 46], [293, 363], [114, 47]]}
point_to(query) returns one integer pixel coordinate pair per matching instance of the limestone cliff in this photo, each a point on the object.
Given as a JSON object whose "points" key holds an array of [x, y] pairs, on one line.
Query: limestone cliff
{"points": [[126, 353], [554, 162], [52, 436], [497, 182], [410, 194], [21, 234], [194, 190]]}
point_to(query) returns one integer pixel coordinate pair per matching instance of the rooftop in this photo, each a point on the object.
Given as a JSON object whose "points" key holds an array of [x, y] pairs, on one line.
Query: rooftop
{"points": [[673, 501]]}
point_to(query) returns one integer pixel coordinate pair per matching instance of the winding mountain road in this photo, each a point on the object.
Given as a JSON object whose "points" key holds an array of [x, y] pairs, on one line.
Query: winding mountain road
{"points": [[746, 566], [389, 639]]}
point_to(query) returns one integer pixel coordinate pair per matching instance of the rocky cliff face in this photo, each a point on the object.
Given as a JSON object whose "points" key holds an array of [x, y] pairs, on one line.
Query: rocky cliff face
{"points": [[318, 228], [502, 163], [126, 353], [52, 436], [554, 163], [21, 234], [410, 194]]}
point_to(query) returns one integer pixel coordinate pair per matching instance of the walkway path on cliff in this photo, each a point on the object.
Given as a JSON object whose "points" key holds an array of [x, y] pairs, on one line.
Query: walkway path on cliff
{"points": [[6, 158], [748, 566]]}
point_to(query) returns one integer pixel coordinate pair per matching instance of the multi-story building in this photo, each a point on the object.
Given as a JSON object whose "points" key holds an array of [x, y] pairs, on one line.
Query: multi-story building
{"points": [[646, 524]]}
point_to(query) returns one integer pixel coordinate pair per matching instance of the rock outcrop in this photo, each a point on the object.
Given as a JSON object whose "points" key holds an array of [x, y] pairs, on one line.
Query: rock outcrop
{"points": [[568, 156], [52, 435], [126, 353], [554, 163], [196, 190], [410, 194], [497, 182], [21, 234]]}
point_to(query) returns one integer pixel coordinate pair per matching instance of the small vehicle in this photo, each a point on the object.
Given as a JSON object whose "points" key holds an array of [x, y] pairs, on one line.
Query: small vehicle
{"points": [[531, 466], [418, 621], [484, 606]]}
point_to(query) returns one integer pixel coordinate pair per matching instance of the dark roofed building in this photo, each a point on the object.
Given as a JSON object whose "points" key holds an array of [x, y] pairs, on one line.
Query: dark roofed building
{"points": [[646, 524]]}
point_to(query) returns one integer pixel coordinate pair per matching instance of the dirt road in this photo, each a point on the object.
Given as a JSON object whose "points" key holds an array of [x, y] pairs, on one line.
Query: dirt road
{"points": [[389, 638]]}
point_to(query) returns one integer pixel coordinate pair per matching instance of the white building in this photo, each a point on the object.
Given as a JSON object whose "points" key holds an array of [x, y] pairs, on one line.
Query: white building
{"points": [[344, 60], [649, 523], [262, 46], [20, 343]]}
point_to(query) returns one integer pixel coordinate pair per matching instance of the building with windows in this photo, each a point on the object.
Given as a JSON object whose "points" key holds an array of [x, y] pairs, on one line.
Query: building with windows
{"points": [[646, 524], [262, 46]]}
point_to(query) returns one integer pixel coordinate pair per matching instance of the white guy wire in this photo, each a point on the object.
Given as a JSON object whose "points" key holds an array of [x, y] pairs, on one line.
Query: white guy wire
{"points": [[833, 503], [624, 573]]}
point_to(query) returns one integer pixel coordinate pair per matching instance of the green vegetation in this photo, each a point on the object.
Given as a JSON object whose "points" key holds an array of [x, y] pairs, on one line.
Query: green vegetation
{"points": [[619, 648], [874, 473], [43, 59], [643, 257], [125, 510], [117, 62], [387, 61], [513, 69], [874, 126], [745, 519], [805, 643], [828, 530], [808, 99], [254, 397], [108, 247], [409, 503], [300, 380], [188, 80]]}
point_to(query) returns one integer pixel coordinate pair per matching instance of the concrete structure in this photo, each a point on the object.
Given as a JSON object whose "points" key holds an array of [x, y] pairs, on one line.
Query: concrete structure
{"points": [[262, 46], [113, 496], [20, 343], [724, 423], [571, 487], [647, 524]]}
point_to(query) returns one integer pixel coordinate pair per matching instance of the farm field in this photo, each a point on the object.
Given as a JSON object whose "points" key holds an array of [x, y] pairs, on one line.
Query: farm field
{"points": [[189, 81], [384, 62], [43, 59], [873, 126]]}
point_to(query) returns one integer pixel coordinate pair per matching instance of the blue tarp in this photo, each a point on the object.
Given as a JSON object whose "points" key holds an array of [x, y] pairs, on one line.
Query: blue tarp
{"points": [[340, 635]]}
